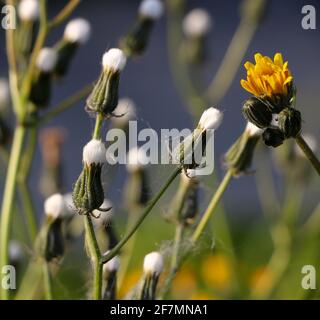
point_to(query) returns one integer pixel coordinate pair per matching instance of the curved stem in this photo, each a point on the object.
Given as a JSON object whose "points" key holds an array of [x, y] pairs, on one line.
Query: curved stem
{"points": [[212, 206], [47, 281], [97, 127], [231, 61], [65, 105], [8, 198], [64, 13], [145, 213], [308, 152]]}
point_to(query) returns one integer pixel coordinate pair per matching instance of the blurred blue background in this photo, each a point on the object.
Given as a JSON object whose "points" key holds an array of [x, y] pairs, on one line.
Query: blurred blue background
{"points": [[149, 83]]}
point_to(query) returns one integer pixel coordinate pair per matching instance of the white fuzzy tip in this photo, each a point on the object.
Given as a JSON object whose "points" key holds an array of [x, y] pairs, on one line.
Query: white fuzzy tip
{"points": [[112, 265], [94, 152], [153, 263], [190, 174], [55, 206], [15, 250], [28, 10], [70, 208], [77, 31], [136, 159], [4, 93], [103, 217], [47, 59], [114, 59], [197, 23], [211, 119], [151, 9], [311, 142], [126, 111], [253, 130]]}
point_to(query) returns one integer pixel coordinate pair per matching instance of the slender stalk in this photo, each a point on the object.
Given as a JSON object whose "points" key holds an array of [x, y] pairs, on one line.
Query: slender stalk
{"points": [[95, 256], [97, 127], [65, 105], [47, 280], [64, 13], [8, 198], [231, 61], [212, 206], [308, 152], [145, 213]]}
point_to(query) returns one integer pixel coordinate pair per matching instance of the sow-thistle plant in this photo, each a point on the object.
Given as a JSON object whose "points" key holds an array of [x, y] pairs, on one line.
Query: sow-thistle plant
{"points": [[76, 33], [272, 105], [137, 39], [152, 267], [196, 27]]}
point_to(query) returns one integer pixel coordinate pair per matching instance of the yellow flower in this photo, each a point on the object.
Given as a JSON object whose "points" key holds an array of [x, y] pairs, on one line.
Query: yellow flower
{"points": [[267, 77]]}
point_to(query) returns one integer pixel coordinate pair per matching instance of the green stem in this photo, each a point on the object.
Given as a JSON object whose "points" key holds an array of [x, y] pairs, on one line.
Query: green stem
{"points": [[145, 213], [97, 127], [47, 280], [95, 256], [212, 206], [308, 152], [8, 198], [231, 61], [66, 104]]}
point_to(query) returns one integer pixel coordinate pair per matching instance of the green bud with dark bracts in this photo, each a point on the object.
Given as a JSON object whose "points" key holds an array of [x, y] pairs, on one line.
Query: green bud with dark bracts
{"points": [[104, 96], [239, 157], [257, 112], [289, 121], [273, 137], [137, 39], [88, 194], [66, 52], [40, 92]]}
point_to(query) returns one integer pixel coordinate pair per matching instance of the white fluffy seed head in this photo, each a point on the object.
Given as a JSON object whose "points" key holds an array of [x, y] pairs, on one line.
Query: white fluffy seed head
{"points": [[112, 265], [47, 59], [28, 10], [197, 23], [114, 59], [77, 31], [151, 9], [104, 217], [153, 263], [70, 208], [94, 152], [211, 119], [136, 159], [126, 109], [253, 130], [15, 250], [4, 94], [311, 142], [55, 206]]}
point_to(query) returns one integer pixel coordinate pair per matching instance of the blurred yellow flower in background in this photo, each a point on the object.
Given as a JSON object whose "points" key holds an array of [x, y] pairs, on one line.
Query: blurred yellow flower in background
{"points": [[216, 271], [128, 283], [184, 283], [260, 280], [202, 296], [267, 77]]}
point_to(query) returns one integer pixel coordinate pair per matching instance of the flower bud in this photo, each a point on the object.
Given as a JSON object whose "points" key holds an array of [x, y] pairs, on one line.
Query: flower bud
{"points": [[257, 112], [210, 119], [103, 217], [124, 112], [110, 277], [28, 10], [16, 252], [41, 86], [290, 122], [137, 39], [153, 263], [197, 23], [88, 192], [76, 33], [112, 265], [239, 156], [273, 137], [55, 207], [104, 96]]}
